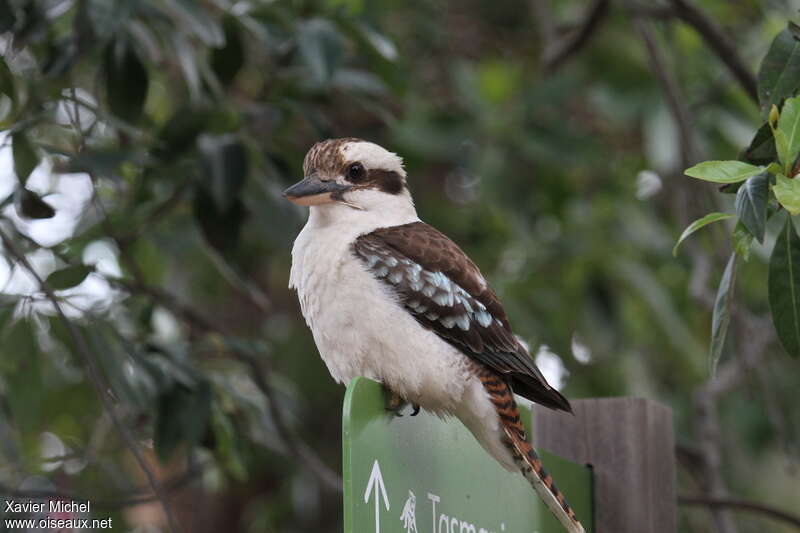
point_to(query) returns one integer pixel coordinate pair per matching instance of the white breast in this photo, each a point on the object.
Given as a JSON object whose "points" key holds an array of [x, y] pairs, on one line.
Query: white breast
{"points": [[359, 327]]}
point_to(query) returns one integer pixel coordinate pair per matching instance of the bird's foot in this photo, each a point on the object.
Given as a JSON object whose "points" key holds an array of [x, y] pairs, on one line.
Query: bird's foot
{"points": [[396, 403]]}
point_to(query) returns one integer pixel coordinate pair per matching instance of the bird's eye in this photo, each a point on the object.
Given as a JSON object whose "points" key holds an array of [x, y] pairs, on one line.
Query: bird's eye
{"points": [[355, 172]]}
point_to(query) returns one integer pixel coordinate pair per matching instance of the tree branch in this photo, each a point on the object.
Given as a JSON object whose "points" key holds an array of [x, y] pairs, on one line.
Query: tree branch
{"points": [[718, 41], [744, 505], [556, 53], [672, 90]]}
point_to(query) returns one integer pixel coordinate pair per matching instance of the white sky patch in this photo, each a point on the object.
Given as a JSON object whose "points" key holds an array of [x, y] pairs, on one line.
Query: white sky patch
{"points": [[580, 351], [103, 255], [19, 281], [68, 194], [69, 112], [8, 179], [551, 366]]}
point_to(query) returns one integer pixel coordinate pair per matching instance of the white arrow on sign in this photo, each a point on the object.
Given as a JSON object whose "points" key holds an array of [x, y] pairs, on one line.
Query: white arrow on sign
{"points": [[376, 482]]}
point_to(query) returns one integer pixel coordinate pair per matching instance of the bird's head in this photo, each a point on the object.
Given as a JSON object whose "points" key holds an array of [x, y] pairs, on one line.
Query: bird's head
{"points": [[353, 174]]}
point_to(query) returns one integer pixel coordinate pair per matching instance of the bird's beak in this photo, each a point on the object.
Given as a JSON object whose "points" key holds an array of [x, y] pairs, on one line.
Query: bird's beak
{"points": [[313, 191]]}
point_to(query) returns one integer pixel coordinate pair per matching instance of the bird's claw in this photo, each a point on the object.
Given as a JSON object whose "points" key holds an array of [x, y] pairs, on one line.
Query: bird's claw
{"points": [[395, 403]]}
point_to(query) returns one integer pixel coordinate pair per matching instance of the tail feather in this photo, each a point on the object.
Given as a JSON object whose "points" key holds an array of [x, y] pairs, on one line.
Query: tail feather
{"points": [[524, 455]]}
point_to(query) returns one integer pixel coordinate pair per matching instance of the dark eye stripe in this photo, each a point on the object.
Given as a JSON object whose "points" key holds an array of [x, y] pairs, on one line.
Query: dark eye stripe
{"points": [[387, 181]]}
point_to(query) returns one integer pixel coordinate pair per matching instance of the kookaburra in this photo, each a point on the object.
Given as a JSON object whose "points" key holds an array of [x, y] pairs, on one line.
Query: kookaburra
{"points": [[390, 298]]}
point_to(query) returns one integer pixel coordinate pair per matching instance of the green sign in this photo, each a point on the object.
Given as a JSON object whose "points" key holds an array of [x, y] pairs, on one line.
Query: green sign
{"points": [[424, 475]]}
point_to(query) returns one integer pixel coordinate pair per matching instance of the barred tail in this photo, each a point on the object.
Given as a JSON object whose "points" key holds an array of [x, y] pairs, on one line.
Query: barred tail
{"points": [[524, 454]]}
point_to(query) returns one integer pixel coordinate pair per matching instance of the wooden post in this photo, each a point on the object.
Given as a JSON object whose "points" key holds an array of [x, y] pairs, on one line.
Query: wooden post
{"points": [[629, 444]]}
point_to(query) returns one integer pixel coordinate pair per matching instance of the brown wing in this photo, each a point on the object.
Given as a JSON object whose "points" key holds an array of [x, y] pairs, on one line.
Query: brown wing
{"points": [[446, 292]]}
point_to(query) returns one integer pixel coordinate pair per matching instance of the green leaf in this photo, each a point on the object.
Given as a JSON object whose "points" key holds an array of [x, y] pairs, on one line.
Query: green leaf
{"points": [[722, 313], [30, 205], [183, 415], [696, 225], [779, 74], [7, 16], [789, 125], [774, 168], [228, 60], [6, 81], [196, 17], [751, 204], [25, 157], [102, 20], [723, 171], [784, 288], [787, 191], [742, 241], [227, 443], [221, 228], [782, 147], [762, 148], [180, 132], [126, 81], [224, 159], [101, 162], [68, 277], [321, 48]]}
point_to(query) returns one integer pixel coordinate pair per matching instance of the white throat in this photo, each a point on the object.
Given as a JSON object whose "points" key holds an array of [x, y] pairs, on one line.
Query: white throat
{"points": [[368, 210]]}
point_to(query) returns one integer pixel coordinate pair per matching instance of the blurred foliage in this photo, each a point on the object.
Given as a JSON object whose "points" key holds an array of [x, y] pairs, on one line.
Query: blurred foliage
{"points": [[144, 147]]}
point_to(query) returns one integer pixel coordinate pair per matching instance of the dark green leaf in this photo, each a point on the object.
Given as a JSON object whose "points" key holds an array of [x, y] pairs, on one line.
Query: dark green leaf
{"points": [[751, 205], [61, 55], [68, 277], [106, 19], [196, 17], [742, 241], [30, 205], [183, 415], [321, 48], [696, 225], [784, 288], [224, 159], [25, 157], [220, 228], [227, 443], [126, 80], [7, 17], [779, 74], [762, 148], [6, 81], [228, 60], [98, 162], [794, 29], [722, 313], [180, 132], [188, 61]]}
